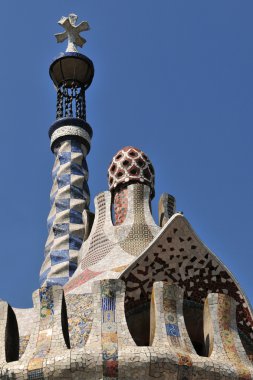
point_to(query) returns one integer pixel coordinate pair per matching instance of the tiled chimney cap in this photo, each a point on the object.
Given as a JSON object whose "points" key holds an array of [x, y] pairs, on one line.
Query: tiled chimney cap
{"points": [[131, 165]]}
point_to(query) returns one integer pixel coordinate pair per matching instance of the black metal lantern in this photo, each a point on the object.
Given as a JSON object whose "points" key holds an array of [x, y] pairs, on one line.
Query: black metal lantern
{"points": [[72, 74]]}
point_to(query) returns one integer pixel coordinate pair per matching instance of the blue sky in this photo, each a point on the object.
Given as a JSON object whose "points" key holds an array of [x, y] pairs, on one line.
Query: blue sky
{"points": [[173, 78]]}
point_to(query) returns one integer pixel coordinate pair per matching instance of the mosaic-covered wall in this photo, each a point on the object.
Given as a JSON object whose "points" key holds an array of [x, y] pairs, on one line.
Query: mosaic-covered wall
{"points": [[100, 345]]}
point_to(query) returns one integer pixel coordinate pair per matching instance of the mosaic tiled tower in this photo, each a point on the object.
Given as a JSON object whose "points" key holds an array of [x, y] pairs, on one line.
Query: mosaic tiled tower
{"points": [[129, 165], [122, 298], [70, 135]]}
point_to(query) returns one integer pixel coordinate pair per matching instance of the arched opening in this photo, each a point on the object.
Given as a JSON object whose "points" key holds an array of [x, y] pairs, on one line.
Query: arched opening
{"points": [[11, 337], [113, 213], [247, 344], [194, 322], [64, 322], [138, 322]]}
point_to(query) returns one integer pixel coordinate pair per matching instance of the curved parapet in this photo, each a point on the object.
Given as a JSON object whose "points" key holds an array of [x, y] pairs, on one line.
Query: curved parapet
{"points": [[80, 310], [26, 319], [177, 254], [225, 356], [107, 350], [221, 335], [167, 320], [109, 330], [18, 334], [49, 335]]}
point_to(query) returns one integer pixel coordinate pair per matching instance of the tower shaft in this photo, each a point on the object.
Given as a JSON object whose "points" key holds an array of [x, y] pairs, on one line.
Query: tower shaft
{"points": [[69, 198]]}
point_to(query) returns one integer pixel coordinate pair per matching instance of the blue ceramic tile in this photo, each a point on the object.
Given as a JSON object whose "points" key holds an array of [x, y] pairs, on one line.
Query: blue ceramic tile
{"points": [[108, 303], [61, 229], [64, 157], [75, 242], [57, 281], [75, 217], [43, 276], [172, 330], [62, 204], [76, 169], [76, 193], [59, 256], [50, 222], [63, 180], [76, 146], [72, 268]]}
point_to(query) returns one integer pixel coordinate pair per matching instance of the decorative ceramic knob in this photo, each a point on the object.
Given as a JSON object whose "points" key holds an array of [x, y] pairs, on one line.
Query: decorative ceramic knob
{"points": [[131, 165]]}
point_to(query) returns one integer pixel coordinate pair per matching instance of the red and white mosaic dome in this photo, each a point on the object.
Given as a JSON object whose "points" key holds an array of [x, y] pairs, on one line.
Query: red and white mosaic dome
{"points": [[130, 165]]}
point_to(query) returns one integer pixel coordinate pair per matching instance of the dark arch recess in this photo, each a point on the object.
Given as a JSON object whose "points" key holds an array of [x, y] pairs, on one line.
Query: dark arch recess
{"points": [[11, 337], [64, 322], [138, 322]]}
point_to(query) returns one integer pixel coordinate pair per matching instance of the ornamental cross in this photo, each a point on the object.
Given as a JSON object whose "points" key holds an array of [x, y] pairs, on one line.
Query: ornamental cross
{"points": [[72, 32]]}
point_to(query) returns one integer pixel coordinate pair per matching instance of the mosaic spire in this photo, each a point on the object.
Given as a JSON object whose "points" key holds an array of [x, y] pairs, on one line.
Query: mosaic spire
{"points": [[70, 136]]}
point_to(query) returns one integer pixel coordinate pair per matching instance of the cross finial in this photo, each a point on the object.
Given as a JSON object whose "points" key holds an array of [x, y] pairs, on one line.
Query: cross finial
{"points": [[72, 32]]}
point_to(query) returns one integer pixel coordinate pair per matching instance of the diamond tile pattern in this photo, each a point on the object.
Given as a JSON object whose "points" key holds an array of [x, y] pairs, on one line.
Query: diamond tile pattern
{"points": [[69, 197]]}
